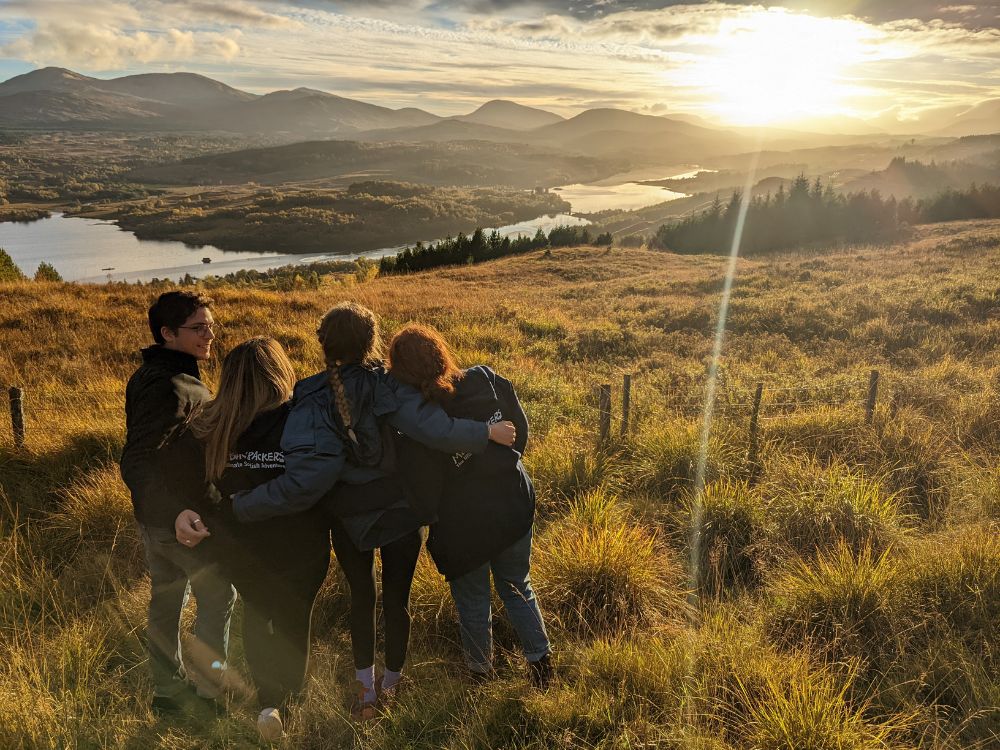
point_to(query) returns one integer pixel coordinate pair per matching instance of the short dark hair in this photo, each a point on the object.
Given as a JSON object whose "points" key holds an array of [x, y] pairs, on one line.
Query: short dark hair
{"points": [[171, 309]]}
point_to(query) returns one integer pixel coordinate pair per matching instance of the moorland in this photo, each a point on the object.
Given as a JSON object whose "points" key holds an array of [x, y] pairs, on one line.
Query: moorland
{"points": [[844, 588]]}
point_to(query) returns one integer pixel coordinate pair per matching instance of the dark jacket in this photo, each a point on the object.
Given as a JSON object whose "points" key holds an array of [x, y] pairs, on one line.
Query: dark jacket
{"points": [[159, 398], [486, 501], [316, 456], [286, 547]]}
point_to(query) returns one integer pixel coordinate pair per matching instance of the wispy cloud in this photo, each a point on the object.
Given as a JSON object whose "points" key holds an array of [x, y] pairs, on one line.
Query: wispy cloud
{"points": [[873, 58]]}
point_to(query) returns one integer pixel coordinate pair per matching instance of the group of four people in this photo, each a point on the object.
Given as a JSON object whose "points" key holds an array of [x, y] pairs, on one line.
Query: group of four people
{"points": [[250, 489]]}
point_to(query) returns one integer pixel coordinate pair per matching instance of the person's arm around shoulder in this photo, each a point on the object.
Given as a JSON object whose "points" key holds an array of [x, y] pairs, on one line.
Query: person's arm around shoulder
{"points": [[427, 423], [512, 409], [314, 458]]}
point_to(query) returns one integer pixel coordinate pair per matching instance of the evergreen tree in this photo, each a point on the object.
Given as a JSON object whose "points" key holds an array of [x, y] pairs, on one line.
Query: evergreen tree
{"points": [[47, 272], [8, 268]]}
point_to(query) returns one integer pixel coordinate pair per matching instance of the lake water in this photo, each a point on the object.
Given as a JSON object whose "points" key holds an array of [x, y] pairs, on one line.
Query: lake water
{"points": [[628, 196], [90, 250]]}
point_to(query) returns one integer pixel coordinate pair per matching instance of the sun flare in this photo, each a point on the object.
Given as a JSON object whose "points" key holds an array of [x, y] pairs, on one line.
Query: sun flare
{"points": [[776, 66]]}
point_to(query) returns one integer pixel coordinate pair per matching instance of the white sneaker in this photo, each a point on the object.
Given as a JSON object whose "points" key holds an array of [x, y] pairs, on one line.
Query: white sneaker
{"points": [[269, 725]]}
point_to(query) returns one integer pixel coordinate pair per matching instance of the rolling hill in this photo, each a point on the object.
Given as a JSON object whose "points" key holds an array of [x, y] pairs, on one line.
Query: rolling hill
{"points": [[60, 98], [56, 97], [342, 162], [500, 113]]}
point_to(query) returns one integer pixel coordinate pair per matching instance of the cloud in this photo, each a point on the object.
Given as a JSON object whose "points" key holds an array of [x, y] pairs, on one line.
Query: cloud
{"points": [[93, 47], [977, 15], [144, 14], [451, 54], [113, 14], [224, 13], [631, 27]]}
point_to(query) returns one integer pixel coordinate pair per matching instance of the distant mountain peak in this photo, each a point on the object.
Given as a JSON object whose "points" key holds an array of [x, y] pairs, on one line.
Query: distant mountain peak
{"points": [[45, 79], [502, 113]]}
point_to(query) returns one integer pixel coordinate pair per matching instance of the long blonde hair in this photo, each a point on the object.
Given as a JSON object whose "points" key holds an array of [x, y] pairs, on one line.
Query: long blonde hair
{"points": [[257, 376]]}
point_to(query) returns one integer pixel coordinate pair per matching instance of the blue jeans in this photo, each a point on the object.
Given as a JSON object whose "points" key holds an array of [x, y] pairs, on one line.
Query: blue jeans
{"points": [[512, 580], [174, 570]]}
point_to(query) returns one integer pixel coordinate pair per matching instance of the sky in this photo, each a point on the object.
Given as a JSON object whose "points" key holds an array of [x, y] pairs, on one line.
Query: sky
{"points": [[852, 64]]}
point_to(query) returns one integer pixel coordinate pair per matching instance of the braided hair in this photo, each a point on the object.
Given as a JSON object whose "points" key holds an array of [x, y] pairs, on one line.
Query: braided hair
{"points": [[349, 334]]}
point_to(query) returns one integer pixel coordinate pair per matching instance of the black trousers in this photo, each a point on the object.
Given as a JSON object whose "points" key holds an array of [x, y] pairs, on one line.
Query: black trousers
{"points": [[277, 614], [399, 560]]}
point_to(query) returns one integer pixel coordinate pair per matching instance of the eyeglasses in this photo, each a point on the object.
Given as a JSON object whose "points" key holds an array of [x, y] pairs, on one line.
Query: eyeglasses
{"points": [[203, 329]]}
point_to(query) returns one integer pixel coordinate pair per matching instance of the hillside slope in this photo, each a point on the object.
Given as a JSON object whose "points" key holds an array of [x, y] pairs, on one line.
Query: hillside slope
{"points": [[847, 583]]}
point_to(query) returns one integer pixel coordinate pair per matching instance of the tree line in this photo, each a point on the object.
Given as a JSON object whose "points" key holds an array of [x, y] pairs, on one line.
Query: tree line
{"points": [[811, 212], [480, 246]]}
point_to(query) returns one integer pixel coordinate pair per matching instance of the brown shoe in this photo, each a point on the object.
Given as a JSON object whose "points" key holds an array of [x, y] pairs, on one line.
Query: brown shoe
{"points": [[387, 696], [361, 708]]}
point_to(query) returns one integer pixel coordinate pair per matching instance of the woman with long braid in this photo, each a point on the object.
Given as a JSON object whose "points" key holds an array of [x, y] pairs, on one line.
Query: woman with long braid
{"points": [[334, 433]]}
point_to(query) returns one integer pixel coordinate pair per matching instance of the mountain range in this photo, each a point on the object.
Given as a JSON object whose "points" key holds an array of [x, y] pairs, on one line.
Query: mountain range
{"points": [[56, 98]]}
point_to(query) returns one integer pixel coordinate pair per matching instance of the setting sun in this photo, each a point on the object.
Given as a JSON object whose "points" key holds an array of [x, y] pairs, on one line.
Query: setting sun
{"points": [[775, 66]]}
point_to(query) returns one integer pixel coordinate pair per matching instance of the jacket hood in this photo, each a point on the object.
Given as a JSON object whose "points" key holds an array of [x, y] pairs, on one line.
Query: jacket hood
{"points": [[370, 397], [361, 384], [475, 395]]}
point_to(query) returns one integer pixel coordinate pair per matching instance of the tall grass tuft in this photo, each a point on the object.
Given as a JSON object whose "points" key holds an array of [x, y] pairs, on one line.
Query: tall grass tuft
{"points": [[812, 508], [600, 573], [809, 713], [564, 464], [847, 604], [753, 696], [956, 575], [665, 458], [907, 452], [731, 535]]}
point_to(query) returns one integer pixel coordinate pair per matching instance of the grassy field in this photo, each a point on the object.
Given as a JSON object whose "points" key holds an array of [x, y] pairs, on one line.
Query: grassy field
{"points": [[847, 597]]}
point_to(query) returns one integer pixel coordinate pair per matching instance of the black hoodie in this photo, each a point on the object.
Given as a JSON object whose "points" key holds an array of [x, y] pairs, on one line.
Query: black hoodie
{"points": [[258, 551]]}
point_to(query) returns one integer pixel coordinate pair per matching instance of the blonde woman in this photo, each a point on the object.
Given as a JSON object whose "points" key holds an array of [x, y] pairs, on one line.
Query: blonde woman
{"points": [[279, 565]]}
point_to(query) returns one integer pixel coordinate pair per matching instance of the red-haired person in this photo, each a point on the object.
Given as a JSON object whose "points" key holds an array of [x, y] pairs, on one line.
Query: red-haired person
{"points": [[485, 503]]}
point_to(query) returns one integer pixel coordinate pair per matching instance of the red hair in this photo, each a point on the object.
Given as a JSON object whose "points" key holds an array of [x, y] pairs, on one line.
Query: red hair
{"points": [[419, 356]]}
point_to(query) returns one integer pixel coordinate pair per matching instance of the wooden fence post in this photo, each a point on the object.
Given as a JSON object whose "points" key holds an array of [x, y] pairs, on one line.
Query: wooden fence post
{"points": [[872, 395], [626, 402], [605, 411], [17, 415], [754, 426]]}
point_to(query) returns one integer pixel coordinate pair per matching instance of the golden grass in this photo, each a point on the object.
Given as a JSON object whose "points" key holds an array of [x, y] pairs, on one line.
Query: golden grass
{"points": [[871, 544]]}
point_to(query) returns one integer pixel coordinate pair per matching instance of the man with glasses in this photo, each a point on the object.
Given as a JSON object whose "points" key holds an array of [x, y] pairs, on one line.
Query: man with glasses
{"points": [[163, 478]]}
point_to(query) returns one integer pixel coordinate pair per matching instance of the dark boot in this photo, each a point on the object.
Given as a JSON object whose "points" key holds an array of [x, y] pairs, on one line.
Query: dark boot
{"points": [[542, 672]]}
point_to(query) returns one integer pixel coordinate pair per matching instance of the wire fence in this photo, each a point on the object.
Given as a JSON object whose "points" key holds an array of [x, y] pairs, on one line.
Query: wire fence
{"points": [[34, 408]]}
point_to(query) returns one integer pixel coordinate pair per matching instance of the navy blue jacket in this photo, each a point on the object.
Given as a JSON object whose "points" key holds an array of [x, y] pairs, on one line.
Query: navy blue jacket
{"points": [[281, 551]]}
